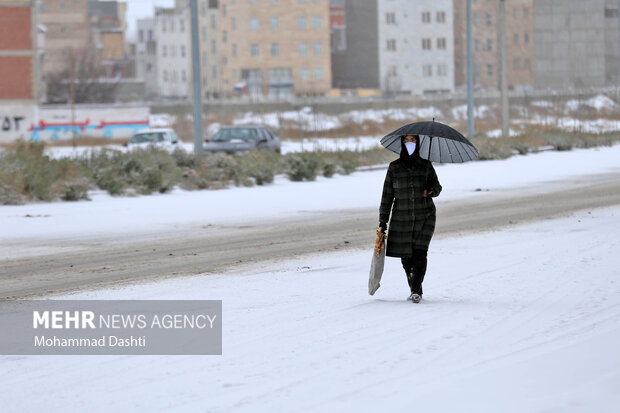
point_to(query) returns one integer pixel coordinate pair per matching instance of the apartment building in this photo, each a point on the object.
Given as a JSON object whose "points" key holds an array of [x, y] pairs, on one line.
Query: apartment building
{"points": [[173, 67], [416, 46], [576, 43], [146, 55], [211, 39], [274, 48], [485, 33], [67, 31]]}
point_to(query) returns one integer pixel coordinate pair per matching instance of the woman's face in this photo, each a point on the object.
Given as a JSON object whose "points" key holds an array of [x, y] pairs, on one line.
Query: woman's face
{"points": [[410, 138]]}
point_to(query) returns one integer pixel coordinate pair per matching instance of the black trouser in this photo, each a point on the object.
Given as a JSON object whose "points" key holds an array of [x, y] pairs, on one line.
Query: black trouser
{"points": [[415, 269]]}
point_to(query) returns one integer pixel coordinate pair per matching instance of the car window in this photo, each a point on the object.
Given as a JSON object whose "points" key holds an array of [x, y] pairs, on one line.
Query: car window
{"points": [[148, 137], [231, 134]]}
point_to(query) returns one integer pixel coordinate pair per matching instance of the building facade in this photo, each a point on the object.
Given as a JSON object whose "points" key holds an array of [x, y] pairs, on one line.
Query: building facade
{"points": [[576, 43], [485, 32], [67, 31], [173, 67], [415, 46], [146, 55], [274, 48]]}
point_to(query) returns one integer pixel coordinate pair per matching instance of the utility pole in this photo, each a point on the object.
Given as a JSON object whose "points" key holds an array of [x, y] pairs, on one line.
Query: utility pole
{"points": [[198, 149], [502, 64], [618, 83], [470, 75]]}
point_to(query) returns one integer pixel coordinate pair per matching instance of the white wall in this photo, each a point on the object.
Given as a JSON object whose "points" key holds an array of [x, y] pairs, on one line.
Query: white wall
{"points": [[173, 65], [55, 123]]}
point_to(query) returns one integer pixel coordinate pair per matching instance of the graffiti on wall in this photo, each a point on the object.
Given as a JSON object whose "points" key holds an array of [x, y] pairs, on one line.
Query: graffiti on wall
{"points": [[11, 123], [79, 128]]}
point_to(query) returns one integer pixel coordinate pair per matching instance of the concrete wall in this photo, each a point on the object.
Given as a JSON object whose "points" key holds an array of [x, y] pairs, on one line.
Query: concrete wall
{"points": [[569, 43], [49, 123]]}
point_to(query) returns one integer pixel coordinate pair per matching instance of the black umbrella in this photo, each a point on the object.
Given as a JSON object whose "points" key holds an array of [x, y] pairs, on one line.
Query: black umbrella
{"points": [[438, 142]]}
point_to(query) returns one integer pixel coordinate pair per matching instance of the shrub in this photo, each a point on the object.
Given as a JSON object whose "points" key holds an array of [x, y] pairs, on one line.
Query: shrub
{"points": [[301, 166]]}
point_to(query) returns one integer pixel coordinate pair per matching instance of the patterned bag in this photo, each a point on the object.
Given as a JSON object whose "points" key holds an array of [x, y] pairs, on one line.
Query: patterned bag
{"points": [[376, 265]]}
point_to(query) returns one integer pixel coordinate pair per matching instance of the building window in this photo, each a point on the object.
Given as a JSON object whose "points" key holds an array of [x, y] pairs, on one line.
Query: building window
{"points": [[203, 34], [141, 35], [489, 20], [213, 46], [204, 58], [164, 51], [318, 73], [442, 70], [173, 51], [183, 51], [275, 49], [476, 70], [526, 38], [516, 64], [516, 13], [526, 12], [253, 1], [516, 39], [390, 18], [441, 17], [234, 50], [303, 73], [427, 70], [233, 23], [391, 44], [490, 70], [254, 23], [224, 10], [184, 75], [489, 44], [476, 20], [316, 22], [203, 8], [214, 72], [303, 48], [301, 22], [164, 25], [63, 29], [213, 22], [426, 17], [526, 63], [254, 49], [165, 75], [172, 29], [317, 48], [426, 44], [224, 36], [274, 1], [441, 43], [274, 23], [477, 45], [182, 25]]}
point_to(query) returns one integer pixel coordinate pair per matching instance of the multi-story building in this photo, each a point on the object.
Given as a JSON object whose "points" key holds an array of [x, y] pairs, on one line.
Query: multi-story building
{"points": [[576, 43], [415, 46], [173, 67], [67, 31], [485, 32], [399, 46], [274, 48], [146, 55], [18, 53], [211, 39]]}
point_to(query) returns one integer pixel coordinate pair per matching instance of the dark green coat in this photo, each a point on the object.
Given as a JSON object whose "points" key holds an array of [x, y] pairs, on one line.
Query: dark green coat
{"points": [[413, 216]]}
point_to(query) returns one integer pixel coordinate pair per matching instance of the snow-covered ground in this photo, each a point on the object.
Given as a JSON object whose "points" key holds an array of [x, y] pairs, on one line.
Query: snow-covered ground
{"points": [[179, 209], [526, 319], [522, 319]]}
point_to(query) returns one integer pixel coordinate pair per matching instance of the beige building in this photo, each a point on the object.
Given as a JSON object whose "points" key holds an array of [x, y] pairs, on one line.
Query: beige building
{"points": [[67, 29], [519, 43], [270, 48]]}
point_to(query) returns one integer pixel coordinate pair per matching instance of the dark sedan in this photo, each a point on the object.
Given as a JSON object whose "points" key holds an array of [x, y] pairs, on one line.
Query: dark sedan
{"points": [[242, 139]]}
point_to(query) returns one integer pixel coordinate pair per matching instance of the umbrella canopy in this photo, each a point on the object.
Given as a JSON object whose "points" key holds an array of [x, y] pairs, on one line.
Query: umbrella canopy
{"points": [[438, 142]]}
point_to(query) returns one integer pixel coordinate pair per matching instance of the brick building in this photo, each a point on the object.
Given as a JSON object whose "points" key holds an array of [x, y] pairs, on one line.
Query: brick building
{"points": [[519, 43], [18, 50]]}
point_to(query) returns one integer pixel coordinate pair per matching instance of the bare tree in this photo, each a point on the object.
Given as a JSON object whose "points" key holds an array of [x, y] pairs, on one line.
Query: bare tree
{"points": [[83, 80]]}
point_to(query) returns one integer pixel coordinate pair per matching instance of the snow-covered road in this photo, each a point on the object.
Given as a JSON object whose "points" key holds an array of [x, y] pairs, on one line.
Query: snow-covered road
{"points": [[526, 319]]}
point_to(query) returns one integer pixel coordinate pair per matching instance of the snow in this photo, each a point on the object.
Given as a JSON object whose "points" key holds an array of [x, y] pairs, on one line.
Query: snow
{"points": [[598, 102], [497, 133], [460, 112], [525, 319], [522, 319], [153, 214]]}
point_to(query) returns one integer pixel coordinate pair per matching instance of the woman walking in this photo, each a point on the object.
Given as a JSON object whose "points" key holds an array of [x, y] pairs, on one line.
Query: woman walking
{"points": [[410, 184]]}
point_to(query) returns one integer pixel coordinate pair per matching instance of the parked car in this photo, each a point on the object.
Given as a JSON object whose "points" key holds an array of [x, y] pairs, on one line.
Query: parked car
{"points": [[160, 137], [241, 139]]}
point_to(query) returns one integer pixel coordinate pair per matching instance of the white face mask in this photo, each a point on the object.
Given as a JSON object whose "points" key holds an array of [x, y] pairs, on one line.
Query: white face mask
{"points": [[410, 147]]}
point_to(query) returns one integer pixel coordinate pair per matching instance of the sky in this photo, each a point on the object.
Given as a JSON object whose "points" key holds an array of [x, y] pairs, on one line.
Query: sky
{"points": [[139, 9]]}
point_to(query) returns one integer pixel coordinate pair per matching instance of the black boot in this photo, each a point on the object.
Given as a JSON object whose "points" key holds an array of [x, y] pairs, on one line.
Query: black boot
{"points": [[419, 261], [407, 263]]}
